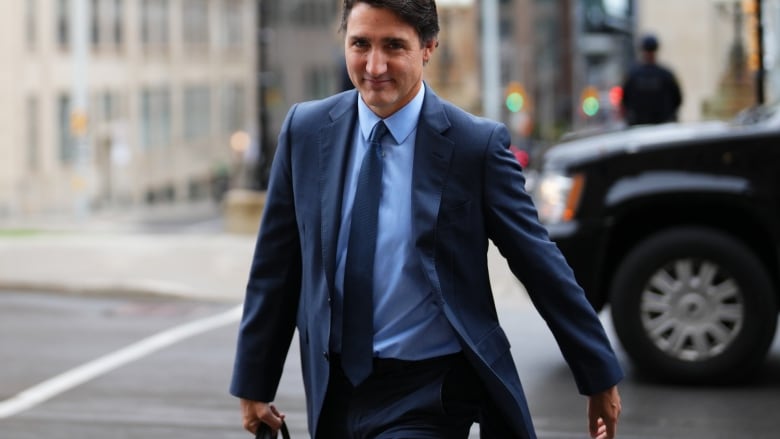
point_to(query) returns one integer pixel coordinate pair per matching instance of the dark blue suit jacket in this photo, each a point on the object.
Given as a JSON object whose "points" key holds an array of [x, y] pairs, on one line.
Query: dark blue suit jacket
{"points": [[467, 189]]}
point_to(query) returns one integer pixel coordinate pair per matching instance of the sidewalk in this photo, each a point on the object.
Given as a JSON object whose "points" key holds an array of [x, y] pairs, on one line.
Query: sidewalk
{"points": [[119, 255], [159, 253]]}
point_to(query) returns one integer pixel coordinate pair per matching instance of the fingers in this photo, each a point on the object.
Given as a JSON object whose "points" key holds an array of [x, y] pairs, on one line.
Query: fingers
{"points": [[603, 412], [594, 425], [611, 419], [251, 425], [600, 430], [273, 417], [611, 428], [603, 430], [255, 413], [608, 424]]}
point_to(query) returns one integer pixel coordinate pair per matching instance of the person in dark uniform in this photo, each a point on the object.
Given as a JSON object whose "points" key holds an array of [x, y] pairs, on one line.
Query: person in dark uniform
{"points": [[651, 93]]}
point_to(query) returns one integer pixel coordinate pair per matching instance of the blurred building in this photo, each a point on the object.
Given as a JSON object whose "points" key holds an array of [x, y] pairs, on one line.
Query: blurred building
{"points": [[713, 47], [301, 57], [571, 57], [551, 53], [537, 66], [122, 103], [454, 70], [771, 34]]}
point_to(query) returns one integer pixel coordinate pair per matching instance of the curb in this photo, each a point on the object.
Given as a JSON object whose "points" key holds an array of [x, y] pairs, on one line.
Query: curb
{"points": [[114, 289]]}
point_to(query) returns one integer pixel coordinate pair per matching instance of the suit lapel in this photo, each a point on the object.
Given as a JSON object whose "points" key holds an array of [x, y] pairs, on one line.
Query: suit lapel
{"points": [[334, 140], [432, 155]]}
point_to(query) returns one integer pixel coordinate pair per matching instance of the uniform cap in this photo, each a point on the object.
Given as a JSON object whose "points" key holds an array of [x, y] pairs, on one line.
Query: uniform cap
{"points": [[649, 43]]}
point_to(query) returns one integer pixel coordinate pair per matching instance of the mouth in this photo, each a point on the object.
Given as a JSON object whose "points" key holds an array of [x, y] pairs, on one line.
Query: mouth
{"points": [[376, 83]]}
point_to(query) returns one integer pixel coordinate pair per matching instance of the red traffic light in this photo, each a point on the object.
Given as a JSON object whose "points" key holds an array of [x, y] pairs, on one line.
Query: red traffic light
{"points": [[616, 95]]}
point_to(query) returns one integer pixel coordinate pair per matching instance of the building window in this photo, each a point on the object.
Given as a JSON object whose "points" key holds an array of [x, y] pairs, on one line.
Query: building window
{"points": [[233, 108], [33, 141], [64, 137], [118, 20], [110, 106], [106, 24], [196, 23], [318, 13], [94, 22], [154, 23], [274, 12], [31, 24], [155, 117], [63, 23], [106, 108], [232, 26], [319, 81], [197, 113]]}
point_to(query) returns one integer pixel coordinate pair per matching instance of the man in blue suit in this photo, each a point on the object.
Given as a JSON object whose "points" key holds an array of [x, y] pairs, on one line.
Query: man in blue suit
{"points": [[386, 280]]}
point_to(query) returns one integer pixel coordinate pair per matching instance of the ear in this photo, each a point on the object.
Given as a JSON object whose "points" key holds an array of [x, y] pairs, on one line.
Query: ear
{"points": [[428, 49]]}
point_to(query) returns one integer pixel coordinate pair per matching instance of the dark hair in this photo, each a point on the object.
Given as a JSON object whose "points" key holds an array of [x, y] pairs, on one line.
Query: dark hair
{"points": [[420, 14]]}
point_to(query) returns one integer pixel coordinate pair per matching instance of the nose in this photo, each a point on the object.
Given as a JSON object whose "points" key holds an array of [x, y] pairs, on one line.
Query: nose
{"points": [[376, 64]]}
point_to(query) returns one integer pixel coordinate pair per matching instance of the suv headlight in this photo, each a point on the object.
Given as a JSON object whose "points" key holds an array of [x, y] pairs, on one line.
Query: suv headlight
{"points": [[557, 196]]}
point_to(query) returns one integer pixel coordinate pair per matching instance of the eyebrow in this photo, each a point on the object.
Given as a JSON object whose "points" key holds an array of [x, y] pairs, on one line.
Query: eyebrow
{"points": [[384, 40]]}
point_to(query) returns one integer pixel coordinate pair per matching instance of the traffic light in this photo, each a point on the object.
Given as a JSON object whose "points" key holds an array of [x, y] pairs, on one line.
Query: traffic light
{"points": [[590, 101], [616, 96], [516, 98]]}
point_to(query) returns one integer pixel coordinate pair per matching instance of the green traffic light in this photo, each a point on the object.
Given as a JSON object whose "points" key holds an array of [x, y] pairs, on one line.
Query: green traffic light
{"points": [[514, 102], [590, 106]]}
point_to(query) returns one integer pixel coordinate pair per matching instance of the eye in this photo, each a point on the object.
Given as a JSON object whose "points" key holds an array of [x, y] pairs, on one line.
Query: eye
{"points": [[395, 45], [360, 43]]}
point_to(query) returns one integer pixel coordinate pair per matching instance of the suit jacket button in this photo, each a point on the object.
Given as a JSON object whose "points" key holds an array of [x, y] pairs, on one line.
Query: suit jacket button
{"points": [[326, 356]]}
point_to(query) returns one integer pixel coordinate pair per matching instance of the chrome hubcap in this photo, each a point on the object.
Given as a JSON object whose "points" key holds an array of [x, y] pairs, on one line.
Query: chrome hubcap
{"points": [[692, 309]]}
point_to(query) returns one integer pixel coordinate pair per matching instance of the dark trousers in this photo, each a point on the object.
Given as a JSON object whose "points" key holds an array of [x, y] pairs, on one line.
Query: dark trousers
{"points": [[439, 398]]}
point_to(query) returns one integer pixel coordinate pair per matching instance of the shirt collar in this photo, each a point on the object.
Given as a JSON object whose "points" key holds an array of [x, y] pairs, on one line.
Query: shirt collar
{"points": [[400, 124]]}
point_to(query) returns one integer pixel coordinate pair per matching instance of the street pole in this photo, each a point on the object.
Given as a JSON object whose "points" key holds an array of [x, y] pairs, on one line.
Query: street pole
{"points": [[491, 61], [760, 98], [577, 19], [79, 31], [261, 165]]}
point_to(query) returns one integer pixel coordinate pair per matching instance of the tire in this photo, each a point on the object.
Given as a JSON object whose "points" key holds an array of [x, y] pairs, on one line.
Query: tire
{"points": [[670, 323]]}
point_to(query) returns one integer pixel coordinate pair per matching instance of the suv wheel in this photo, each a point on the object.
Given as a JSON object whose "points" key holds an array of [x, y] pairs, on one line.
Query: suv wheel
{"points": [[693, 305]]}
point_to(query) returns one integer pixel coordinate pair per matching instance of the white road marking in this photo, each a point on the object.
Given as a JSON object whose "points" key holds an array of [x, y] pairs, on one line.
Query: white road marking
{"points": [[79, 375]]}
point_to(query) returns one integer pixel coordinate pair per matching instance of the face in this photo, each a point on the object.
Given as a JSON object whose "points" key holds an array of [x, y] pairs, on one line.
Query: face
{"points": [[384, 58]]}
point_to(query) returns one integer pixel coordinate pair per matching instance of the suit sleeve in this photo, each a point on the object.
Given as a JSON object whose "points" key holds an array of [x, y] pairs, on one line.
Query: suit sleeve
{"points": [[513, 225], [273, 288]]}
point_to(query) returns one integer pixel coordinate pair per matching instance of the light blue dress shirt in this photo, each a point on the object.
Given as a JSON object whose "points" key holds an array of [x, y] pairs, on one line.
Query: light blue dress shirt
{"points": [[408, 325]]}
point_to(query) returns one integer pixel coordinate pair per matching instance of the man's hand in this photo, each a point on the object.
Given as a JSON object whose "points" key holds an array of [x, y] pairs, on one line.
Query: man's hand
{"points": [[603, 412], [255, 412]]}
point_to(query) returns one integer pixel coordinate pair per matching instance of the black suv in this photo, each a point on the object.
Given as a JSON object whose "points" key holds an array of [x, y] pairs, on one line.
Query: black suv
{"points": [[676, 228]]}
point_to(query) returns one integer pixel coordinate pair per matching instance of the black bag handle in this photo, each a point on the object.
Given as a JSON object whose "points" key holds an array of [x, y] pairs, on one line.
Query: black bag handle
{"points": [[264, 432]]}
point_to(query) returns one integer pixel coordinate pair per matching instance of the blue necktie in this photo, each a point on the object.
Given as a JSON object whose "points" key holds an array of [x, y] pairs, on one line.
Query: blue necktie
{"points": [[357, 340]]}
